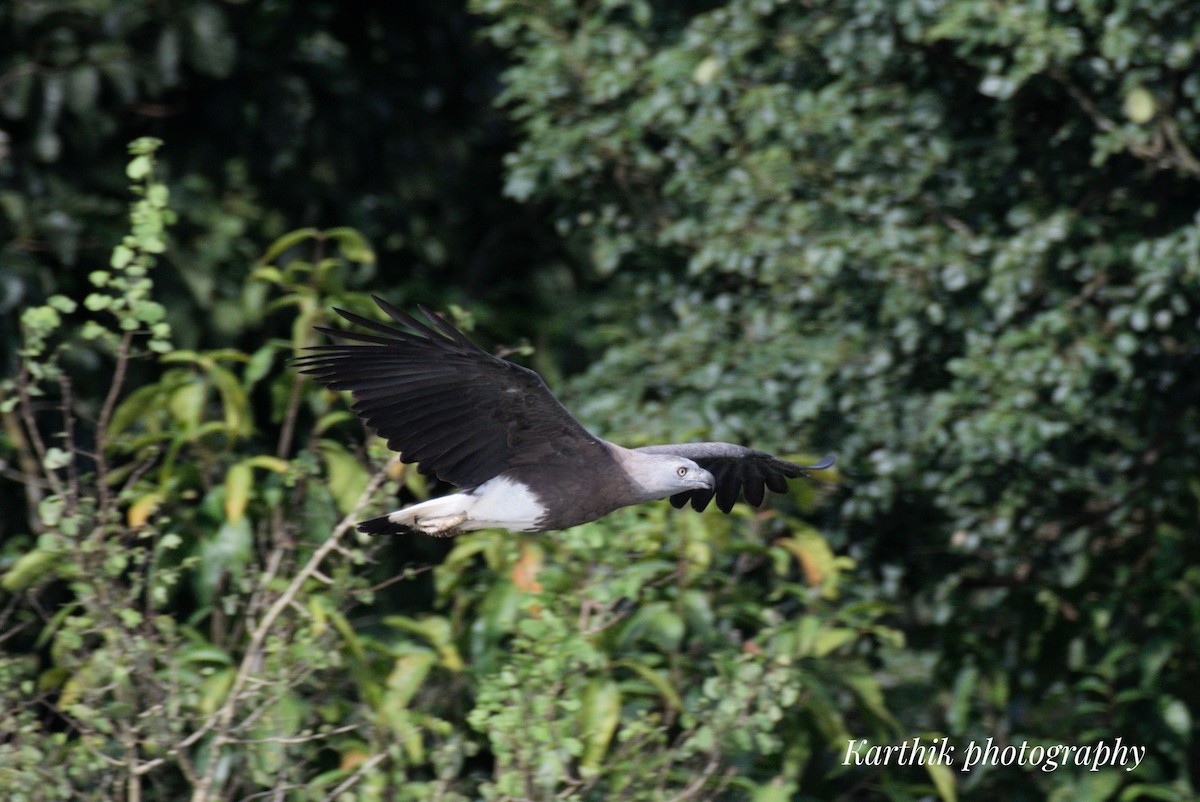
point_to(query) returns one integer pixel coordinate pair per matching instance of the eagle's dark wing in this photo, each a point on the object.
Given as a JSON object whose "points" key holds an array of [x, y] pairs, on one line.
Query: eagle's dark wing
{"points": [[736, 468], [440, 400]]}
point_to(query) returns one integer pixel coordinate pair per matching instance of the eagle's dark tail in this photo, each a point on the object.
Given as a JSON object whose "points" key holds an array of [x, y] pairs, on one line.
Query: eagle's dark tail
{"points": [[382, 526]]}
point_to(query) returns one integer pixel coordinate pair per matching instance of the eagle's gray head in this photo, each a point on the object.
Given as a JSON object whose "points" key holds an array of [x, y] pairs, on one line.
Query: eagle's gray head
{"points": [[662, 475]]}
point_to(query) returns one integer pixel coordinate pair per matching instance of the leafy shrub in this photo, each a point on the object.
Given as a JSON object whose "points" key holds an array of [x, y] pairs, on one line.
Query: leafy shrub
{"points": [[193, 613], [956, 243]]}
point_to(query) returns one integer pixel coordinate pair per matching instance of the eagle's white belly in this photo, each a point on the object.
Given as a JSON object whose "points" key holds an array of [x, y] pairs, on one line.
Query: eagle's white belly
{"points": [[506, 503], [497, 503]]}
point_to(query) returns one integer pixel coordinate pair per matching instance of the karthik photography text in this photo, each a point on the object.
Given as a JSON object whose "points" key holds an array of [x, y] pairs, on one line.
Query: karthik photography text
{"points": [[976, 754]]}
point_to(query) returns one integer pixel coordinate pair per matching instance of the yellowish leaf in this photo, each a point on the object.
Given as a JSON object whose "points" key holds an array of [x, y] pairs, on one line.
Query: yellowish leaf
{"points": [[353, 758], [706, 71], [141, 510], [527, 567], [239, 481], [1139, 105], [943, 781], [395, 470]]}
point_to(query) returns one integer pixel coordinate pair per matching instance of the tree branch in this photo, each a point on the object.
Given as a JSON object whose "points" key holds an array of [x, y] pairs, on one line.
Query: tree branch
{"points": [[222, 720], [106, 413]]}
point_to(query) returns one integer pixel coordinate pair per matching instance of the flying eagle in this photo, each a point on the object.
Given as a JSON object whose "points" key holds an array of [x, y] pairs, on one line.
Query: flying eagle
{"points": [[493, 428]]}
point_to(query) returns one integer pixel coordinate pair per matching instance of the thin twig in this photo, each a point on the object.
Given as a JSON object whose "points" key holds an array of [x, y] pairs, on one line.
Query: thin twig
{"points": [[1180, 155], [406, 574], [288, 430], [106, 413], [221, 721], [33, 436], [22, 478], [359, 773], [296, 739], [136, 475], [68, 401], [1183, 155]]}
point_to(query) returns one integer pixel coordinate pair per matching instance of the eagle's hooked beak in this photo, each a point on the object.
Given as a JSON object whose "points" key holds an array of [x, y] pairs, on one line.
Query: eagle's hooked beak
{"points": [[705, 480]]}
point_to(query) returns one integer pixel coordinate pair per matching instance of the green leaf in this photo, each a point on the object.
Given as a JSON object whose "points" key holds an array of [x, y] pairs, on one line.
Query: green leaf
{"points": [[778, 790], [331, 419], [830, 639], [436, 630], [943, 781], [349, 635], [262, 362], [215, 688], [137, 170], [271, 274], [287, 241], [158, 194], [598, 718], [235, 404], [656, 680], [870, 695], [352, 244], [145, 146], [1176, 716], [56, 459], [269, 463], [347, 477], [203, 653], [137, 407], [122, 255], [278, 721], [1139, 105], [49, 510], [221, 555], [406, 677], [1144, 791], [186, 404], [29, 569], [62, 304], [707, 70], [655, 624], [239, 483], [97, 301], [961, 698]]}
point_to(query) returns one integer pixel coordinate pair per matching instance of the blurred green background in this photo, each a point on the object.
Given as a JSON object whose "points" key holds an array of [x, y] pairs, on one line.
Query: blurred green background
{"points": [[955, 243]]}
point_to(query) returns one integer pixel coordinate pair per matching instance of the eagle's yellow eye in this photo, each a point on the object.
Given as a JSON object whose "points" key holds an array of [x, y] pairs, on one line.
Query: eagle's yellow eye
{"points": [[682, 471]]}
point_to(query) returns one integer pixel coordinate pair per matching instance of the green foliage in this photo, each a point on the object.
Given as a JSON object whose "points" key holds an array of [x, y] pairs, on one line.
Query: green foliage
{"points": [[654, 657], [215, 634], [164, 548], [302, 115], [956, 242]]}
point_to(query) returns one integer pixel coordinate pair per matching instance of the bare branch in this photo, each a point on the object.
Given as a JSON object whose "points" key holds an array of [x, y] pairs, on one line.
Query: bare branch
{"points": [[67, 407], [32, 436], [106, 413], [296, 739], [359, 773], [220, 722]]}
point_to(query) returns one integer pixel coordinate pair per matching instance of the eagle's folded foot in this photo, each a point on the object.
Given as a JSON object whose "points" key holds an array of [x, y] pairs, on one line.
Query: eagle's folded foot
{"points": [[442, 525]]}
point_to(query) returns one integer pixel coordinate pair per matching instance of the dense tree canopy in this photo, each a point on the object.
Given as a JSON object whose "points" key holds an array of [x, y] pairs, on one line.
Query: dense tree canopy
{"points": [[956, 243]]}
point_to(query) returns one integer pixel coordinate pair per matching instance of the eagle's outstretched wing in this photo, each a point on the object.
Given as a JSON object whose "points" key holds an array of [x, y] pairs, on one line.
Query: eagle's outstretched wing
{"points": [[462, 413]]}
